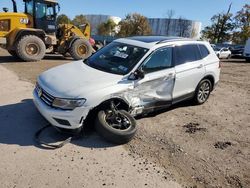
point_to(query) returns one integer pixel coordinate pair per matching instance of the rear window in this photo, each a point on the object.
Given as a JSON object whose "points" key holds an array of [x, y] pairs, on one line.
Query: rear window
{"points": [[204, 51], [186, 53]]}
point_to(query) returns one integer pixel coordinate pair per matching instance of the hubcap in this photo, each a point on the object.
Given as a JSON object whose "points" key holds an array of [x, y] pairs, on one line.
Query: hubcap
{"points": [[117, 121], [203, 92], [82, 49], [32, 49]]}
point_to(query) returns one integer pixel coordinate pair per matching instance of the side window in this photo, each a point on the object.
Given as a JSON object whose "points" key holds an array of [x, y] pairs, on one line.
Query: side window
{"points": [[159, 60], [40, 10], [186, 53], [204, 51]]}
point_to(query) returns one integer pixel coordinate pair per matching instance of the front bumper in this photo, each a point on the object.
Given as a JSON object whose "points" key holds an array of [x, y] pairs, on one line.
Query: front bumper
{"points": [[67, 119]]}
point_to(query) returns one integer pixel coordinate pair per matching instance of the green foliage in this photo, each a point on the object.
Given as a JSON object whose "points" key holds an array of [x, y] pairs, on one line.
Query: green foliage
{"points": [[134, 24], [79, 20], [63, 19], [220, 30], [242, 24], [225, 27], [107, 28]]}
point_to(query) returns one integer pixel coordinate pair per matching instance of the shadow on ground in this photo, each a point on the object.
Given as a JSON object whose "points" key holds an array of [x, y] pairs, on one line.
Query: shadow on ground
{"points": [[19, 123], [10, 59]]}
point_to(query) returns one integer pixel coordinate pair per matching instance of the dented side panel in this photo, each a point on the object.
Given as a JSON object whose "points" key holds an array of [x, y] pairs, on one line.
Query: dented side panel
{"points": [[154, 90]]}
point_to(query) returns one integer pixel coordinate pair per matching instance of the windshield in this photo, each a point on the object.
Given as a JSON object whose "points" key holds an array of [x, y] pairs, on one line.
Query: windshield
{"points": [[116, 58]]}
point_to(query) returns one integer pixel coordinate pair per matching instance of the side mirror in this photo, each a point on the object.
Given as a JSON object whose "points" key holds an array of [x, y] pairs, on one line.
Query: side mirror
{"points": [[138, 74]]}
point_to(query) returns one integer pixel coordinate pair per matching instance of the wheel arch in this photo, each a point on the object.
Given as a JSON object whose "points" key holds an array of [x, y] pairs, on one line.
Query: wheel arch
{"points": [[210, 78], [123, 104], [23, 32]]}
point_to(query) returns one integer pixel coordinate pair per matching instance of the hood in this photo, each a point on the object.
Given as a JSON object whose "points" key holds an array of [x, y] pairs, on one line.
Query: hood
{"points": [[74, 80]]}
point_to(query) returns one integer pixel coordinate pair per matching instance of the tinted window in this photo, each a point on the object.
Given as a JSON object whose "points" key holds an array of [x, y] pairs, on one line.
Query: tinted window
{"points": [[204, 51], [159, 60], [116, 58], [186, 53]]}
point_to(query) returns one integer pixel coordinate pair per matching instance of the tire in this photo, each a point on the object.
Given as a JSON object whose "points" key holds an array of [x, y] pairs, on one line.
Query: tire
{"points": [[30, 48], [80, 49], [13, 53], [229, 56], [248, 60], [203, 91], [115, 135]]}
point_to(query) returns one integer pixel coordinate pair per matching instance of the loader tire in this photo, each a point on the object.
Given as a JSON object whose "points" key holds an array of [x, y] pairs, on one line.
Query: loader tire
{"points": [[30, 48], [80, 49]]}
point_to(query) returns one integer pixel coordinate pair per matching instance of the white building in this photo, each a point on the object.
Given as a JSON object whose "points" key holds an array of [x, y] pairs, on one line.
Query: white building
{"points": [[175, 27]]}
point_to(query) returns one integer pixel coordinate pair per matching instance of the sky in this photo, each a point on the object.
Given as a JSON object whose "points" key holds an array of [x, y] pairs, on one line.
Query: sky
{"points": [[198, 10]]}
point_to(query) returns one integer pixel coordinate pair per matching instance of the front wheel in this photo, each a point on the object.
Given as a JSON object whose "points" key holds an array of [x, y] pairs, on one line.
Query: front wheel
{"points": [[203, 91], [80, 49], [117, 127], [30, 48]]}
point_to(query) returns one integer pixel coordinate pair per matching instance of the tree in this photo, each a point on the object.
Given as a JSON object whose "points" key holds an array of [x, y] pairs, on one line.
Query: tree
{"points": [[134, 24], [170, 14], [220, 30], [242, 24], [183, 27], [107, 28], [63, 19], [79, 20]]}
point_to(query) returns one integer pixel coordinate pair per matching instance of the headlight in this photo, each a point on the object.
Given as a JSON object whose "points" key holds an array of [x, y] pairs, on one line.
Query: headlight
{"points": [[68, 104]]}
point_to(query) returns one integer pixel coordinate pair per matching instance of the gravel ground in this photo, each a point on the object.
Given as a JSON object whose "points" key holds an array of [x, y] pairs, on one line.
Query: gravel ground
{"points": [[196, 146], [86, 162]]}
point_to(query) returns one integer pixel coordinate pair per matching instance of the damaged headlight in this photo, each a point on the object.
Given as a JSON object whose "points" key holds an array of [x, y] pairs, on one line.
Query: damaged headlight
{"points": [[68, 104]]}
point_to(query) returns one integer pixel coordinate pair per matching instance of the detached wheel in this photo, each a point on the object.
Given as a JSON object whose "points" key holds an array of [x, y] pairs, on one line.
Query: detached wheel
{"points": [[30, 48], [13, 53], [115, 128], [80, 49], [203, 91]]}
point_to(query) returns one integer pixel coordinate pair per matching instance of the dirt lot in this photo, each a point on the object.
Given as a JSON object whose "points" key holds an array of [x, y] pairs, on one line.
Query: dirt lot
{"points": [[197, 146]]}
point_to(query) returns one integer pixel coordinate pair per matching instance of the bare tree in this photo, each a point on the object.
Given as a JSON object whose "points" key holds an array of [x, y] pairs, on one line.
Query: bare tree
{"points": [[169, 16], [183, 27]]}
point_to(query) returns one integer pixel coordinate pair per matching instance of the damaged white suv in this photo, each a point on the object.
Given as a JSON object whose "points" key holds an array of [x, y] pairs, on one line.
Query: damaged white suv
{"points": [[128, 77]]}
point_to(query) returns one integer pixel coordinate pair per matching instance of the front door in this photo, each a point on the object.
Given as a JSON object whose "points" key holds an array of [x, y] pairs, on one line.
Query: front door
{"points": [[155, 89]]}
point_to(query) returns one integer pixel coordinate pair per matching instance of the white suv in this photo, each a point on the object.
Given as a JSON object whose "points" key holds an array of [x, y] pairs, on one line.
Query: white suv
{"points": [[128, 77]]}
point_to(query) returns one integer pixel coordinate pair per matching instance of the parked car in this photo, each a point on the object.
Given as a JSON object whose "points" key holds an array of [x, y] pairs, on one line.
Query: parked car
{"points": [[222, 53], [237, 51], [128, 77], [246, 53]]}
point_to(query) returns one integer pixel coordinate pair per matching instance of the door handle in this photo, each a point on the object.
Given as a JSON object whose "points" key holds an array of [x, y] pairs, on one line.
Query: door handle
{"points": [[200, 66]]}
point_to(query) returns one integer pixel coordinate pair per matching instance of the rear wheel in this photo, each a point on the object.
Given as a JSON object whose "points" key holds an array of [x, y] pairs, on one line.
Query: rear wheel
{"points": [[80, 49], [30, 48], [203, 91], [117, 127]]}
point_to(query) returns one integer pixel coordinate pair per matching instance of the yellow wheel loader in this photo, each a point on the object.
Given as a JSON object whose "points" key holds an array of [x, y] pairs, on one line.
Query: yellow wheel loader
{"points": [[31, 34]]}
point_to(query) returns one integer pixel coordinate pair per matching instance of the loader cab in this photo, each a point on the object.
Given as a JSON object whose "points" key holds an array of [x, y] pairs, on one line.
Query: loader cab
{"points": [[43, 13]]}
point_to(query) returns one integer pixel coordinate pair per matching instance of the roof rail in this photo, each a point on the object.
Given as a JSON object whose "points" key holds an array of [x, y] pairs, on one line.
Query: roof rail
{"points": [[174, 39]]}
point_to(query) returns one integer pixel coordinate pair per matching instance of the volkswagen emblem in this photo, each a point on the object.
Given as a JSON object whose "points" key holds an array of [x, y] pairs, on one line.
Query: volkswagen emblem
{"points": [[39, 92]]}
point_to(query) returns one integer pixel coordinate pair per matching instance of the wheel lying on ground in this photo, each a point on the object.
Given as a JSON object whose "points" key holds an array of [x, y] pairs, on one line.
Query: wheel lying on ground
{"points": [[203, 91], [115, 128], [30, 48], [13, 53], [80, 49]]}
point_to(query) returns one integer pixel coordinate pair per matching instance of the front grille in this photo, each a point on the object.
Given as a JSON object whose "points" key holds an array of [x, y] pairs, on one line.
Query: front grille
{"points": [[44, 96]]}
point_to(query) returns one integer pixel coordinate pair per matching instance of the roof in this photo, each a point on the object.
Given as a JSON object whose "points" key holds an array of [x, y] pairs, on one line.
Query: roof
{"points": [[157, 39], [150, 41]]}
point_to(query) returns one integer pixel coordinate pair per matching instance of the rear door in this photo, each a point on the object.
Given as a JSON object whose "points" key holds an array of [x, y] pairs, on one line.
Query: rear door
{"points": [[189, 70], [155, 89]]}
